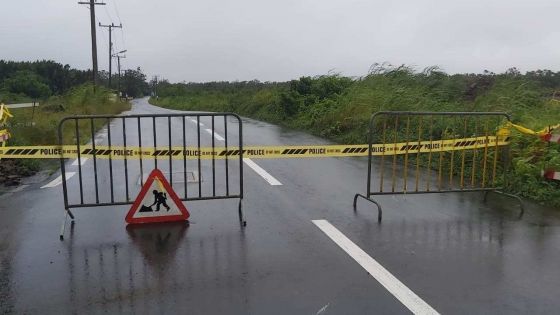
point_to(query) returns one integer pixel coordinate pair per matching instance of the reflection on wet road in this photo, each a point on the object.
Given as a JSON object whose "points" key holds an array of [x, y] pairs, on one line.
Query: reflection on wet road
{"points": [[458, 254]]}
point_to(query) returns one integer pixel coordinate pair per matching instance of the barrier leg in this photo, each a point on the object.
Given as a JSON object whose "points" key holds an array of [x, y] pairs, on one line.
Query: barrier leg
{"points": [[241, 220], [519, 200], [485, 196], [67, 213], [379, 210]]}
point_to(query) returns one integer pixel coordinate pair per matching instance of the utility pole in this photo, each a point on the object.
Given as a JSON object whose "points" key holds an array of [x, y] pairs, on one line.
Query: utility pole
{"points": [[118, 56], [92, 4], [155, 86], [110, 46]]}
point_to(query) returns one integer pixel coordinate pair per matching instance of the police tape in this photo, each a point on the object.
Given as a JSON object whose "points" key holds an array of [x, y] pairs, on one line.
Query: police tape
{"points": [[263, 152], [546, 134]]}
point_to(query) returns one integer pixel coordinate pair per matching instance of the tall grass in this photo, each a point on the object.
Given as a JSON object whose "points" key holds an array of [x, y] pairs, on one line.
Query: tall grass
{"points": [[339, 108], [39, 126]]}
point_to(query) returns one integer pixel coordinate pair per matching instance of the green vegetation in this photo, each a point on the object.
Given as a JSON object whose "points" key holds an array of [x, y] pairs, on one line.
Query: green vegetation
{"points": [[61, 91], [339, 108], [39, 126]]}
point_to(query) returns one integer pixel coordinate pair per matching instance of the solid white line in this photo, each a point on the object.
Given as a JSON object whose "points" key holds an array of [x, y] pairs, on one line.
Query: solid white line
{"points": [[83, 161], [216, 135], [400, 291], [264, 174], [57, 181]]}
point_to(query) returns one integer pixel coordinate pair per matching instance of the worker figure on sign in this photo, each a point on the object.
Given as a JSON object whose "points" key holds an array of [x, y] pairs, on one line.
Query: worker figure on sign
{"points": [[160, 198]]}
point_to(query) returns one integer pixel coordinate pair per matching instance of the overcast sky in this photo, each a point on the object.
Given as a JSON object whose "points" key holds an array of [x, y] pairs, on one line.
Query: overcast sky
{"points": [[278, 40]]}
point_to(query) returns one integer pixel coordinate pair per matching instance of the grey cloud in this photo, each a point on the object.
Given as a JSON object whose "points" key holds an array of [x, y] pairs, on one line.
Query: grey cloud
{"points": [[280, 40]]}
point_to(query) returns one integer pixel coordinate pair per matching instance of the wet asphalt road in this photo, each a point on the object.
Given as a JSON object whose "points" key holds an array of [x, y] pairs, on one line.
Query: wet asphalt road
{"points": [[459, 255]]}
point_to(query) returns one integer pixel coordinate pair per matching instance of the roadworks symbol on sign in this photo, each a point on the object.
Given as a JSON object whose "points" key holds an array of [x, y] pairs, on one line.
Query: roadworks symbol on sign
{"points": [[157, 202]]}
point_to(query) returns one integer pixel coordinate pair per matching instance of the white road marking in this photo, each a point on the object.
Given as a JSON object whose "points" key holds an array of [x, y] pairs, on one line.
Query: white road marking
{"points": [[259, 170], [216, 135], [82, 160], [194, 121], [57, 181], [400, 291], [264, 174], [323, 309]]}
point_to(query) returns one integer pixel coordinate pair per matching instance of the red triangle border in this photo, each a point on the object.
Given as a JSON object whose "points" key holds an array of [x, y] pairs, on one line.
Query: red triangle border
{"points": [[156, 173]]}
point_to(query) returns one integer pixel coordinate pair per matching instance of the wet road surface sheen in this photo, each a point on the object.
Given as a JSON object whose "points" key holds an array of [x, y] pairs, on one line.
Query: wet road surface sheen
{"points": [[456, 253]]}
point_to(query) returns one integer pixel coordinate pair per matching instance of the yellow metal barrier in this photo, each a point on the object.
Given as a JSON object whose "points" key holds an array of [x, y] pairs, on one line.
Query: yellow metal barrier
{"points": [[424, 167], [4, 115]]}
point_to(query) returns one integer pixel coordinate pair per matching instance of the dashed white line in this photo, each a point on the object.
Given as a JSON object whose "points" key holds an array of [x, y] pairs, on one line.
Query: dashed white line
{"points": [[323, 309], [195, 121], [57, 181], [82, 161], [259, 170], [216, 135], [400, 291], [264, 174]]}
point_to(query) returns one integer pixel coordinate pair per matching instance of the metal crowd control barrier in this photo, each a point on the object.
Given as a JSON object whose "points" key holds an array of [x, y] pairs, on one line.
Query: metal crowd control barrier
{"points": [[192, 177], [452, 152]]}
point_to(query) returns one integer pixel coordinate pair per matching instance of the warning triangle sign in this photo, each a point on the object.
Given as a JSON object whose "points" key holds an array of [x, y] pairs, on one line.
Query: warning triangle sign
{"points": [[157, 202]]}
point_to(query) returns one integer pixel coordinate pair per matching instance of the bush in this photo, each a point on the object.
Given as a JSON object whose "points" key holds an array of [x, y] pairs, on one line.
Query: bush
{"points": [[339, 108]]}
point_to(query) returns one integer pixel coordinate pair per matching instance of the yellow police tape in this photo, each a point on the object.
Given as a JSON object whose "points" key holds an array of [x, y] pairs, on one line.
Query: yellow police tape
{"points": [[528, 131], [262, 152]]}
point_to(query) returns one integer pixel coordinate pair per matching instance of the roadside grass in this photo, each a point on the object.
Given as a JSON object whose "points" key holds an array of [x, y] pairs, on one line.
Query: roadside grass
{"points": [[40, 126], [339, 108]]}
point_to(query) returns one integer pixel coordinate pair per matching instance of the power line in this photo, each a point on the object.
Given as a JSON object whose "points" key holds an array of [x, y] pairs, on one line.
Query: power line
{"points": [[102, 34], [120, 22], [92, 4], [103, 42], [122, 38], [117, 10], [108, 14]]}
